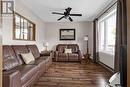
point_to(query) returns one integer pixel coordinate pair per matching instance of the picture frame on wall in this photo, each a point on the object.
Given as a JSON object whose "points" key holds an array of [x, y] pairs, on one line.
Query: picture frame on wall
{"points": [[67, 34]]}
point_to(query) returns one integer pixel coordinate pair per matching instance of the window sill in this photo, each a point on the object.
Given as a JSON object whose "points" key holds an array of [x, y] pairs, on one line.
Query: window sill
{"points": [[107, 52]]}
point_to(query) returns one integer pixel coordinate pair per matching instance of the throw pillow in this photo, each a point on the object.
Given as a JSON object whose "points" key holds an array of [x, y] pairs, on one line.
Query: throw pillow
{"points": [[68, 50], [27, 57]]}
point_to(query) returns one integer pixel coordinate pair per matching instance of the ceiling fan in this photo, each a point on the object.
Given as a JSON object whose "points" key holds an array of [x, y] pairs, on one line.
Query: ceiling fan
{"points": [[67, 14]]}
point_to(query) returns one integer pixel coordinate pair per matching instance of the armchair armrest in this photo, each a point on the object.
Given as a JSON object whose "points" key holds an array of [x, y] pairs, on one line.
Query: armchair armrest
{"points": [[11, 78], [80, 55]]}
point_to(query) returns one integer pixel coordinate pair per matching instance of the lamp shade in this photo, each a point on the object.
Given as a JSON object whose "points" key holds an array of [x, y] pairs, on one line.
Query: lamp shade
{"points": [[86, 38], [46, 44]]}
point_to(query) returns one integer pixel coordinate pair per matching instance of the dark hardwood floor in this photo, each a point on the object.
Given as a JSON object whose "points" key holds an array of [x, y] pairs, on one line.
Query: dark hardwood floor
{"points": [[70, 74]]}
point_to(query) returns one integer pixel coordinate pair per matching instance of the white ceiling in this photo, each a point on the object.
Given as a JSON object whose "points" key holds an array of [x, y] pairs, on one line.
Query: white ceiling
{"points": [[88, 8]]}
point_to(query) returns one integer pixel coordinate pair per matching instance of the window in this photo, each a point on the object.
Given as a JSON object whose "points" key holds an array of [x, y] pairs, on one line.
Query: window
{"points": [[107, 33], [24, 29]]}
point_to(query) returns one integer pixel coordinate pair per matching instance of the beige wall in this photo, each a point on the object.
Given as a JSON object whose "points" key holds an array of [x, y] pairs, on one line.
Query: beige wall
{"points": [[128, 39], [8, 27], [82, 29]]}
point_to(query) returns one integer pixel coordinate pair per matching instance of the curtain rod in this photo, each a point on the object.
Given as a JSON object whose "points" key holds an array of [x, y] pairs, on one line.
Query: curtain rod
{"points": [[106, 10]]}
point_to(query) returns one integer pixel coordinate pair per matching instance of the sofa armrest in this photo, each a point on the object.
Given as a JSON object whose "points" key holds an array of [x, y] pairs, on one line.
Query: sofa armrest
{"points": [[52, 54], [80, 55], [11, 78], [56, 55]]}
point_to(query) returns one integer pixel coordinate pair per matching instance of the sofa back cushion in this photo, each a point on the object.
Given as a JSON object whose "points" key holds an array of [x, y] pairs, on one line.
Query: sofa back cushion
{"points": [[28, 57], [61, 47], [18, 50], [9, 58], [68, 51], [34, 50], [74, 47]]}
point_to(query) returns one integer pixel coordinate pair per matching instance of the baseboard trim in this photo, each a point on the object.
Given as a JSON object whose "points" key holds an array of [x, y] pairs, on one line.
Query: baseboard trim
{"points": [[106, 66]]}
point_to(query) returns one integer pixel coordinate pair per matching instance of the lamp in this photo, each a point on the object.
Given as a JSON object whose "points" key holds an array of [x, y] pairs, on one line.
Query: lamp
{"points": [[46, 45], [86, 39]]}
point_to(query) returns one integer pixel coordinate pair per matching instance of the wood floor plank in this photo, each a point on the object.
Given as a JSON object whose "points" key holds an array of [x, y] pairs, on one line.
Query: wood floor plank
{"points": [[70, 74]]}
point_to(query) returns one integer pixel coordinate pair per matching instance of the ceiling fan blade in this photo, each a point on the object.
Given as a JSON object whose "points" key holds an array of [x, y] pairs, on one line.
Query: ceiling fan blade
{"points": [[70, 19], [61, 18], [57, 13], [75, 14]]}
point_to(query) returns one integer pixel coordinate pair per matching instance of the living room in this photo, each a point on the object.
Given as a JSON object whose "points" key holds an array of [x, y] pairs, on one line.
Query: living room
{"points": [[47, 32]]}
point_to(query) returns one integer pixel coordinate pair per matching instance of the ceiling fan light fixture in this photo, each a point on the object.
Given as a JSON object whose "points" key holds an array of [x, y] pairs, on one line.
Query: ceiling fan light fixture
{"points": [[66, 17]]}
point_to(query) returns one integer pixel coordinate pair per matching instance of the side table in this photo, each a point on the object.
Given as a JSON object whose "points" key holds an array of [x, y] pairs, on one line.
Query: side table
{"points": [[87, 57], [48, 53]]}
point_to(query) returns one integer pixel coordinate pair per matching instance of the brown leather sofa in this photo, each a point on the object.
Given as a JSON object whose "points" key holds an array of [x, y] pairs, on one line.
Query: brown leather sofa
{"points": [[16, 73], [60, 55]]}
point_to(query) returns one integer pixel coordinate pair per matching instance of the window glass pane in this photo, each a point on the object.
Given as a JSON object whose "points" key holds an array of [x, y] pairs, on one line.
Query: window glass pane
{"points": [[17, 27], [17, 19], [23, 28], [17, 33], [25, 24], [101, 46], [107, 33], [25, 34], [31, 30], [31, 34], [111, 32]]}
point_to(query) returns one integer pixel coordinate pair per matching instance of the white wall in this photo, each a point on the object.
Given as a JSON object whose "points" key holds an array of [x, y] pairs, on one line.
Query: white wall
{"points": [[107, 59], [8, 27], [82, 28]]}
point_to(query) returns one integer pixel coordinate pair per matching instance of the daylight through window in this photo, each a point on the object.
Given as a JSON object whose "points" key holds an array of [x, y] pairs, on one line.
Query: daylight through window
{"points": [[107, 33]]}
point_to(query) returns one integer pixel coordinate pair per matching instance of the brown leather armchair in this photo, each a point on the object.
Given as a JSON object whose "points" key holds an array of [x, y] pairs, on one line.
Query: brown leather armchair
{"points": [[60, 55]]}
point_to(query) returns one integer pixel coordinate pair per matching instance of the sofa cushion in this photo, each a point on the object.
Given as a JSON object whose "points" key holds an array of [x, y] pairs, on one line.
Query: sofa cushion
{"points": [[34, 50], [37, 61], [74, 47], [63, 57], [40, 63], [27, 57], [9, 58], [68, 50], [43, 63], [18, 50], [73, 57], [61, 47], [27, 72]]}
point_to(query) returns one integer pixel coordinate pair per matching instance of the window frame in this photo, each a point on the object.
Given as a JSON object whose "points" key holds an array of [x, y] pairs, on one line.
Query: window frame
{"points": [[28, 22]]}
